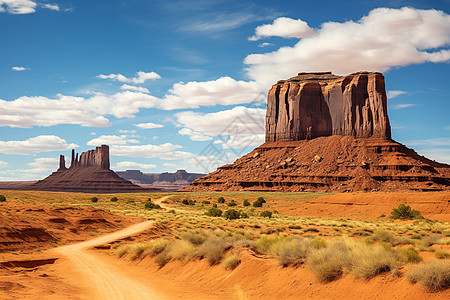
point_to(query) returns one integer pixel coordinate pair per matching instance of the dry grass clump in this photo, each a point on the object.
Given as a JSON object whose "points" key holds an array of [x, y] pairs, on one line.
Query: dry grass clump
{"points": [[441, 254], [231, 261], [369, 261], [434, 276], [212, 249]]}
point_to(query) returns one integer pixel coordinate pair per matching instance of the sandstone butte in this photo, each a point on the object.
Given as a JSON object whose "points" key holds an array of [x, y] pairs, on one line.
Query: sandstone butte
{"points": [[88, 173], [328, 133]]}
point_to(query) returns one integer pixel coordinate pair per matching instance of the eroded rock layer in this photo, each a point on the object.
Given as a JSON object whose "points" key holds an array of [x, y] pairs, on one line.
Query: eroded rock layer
{"points": [[88, 173], [311, 105], [334, 163]]}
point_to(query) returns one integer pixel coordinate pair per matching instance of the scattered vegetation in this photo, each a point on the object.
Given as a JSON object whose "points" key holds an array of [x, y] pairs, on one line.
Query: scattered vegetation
{"points": [[231, 203], [405, 212], [149, 205], [246, 203], [231, 261], [221, 200], [214, 212], [266, 214], [188, 202], [259, 202], [2, 198], [434, 276], [114, 199], [94, 199]]}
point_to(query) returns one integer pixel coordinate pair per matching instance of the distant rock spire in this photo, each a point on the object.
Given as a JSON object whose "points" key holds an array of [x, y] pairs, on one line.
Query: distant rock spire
{"points": [[62, 163]]}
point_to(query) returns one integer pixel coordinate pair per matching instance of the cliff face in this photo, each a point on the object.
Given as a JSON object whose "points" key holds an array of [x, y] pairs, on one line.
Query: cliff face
{"points": [[311, 105], [92, 158]]}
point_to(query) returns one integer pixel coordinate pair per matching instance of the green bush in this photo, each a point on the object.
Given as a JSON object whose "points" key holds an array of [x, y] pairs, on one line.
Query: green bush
{"points": [[266, 214], [221, 200], [213, 212], [114, 199], [150, 205], [258, 203], [405, 212], [232, 203], [261, 199], [215, 205], [246, 203], [206, 202], [2, 198], [172, 211], [232, 214], [93, 199], [188, 202]]}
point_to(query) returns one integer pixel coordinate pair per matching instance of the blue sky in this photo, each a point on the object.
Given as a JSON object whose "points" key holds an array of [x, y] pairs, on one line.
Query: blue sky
{"points": [[182, 84]]}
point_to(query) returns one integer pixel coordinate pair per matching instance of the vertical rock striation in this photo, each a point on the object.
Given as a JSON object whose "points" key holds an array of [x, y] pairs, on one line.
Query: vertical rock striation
{"points": [[311, 105]]}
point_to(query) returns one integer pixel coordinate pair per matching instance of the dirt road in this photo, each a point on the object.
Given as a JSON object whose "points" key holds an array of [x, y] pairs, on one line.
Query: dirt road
{"points": [[101, 279], [164, 206]]}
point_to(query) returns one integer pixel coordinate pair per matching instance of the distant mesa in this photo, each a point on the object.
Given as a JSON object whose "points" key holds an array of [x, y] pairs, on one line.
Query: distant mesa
{"points": [[89, 173], [166, 181], [328, 133]]}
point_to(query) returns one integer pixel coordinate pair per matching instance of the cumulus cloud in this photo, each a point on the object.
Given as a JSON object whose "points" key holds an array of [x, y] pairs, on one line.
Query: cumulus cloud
{"points": [[111, 140], [134, 88], [18, 7], [127, 165], [149, 125], [38, 144], [18, 69], [42, 111], [167, 151], [194, 135], [393, 94], [44, 165], [383, 39], [140, 77], [222, 91], [283, 27]]}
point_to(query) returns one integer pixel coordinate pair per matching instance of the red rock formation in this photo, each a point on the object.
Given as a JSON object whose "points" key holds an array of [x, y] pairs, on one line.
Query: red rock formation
{"points": [[322, 104], [90, 174], [328, 133]]}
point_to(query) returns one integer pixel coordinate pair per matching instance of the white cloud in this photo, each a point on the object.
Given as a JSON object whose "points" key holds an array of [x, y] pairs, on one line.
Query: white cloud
{"points": [[383, 39], [169, 165], [3, 164], [18, 69], [41, 111], [236, 121], [43, 165], [265, 44], [134, 88], [283, 27], [54, 7], [132, 165], [111, 140], [222, 91], [393, 94], [18, 7], [148, 125], [219, 23], [194, 135], [39, 144], [401, 106], [140, 77]]}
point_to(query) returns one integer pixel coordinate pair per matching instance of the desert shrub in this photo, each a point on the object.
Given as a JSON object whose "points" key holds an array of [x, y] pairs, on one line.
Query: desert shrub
{"points": [[213, 212], [430, 240], [434, 276], [311, 230], [328, 264], [383, 236], [122, 250], [215, 205], [114, 199], [231, 261], [2, 198], [232, 214], [206, 202], [149, 205], [410, 255], [162, 259], [93, 199], [266, 214], [181, 249], [291, 251], [212, 249], [243, 215], [440, 254], [231, 203], [164, 201], [172, 211], [221, 200], [259, 202], [416, 236], [193, 237], [246, 203], [405, 212], [369, 261], [264, 244], [154, 247]]}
